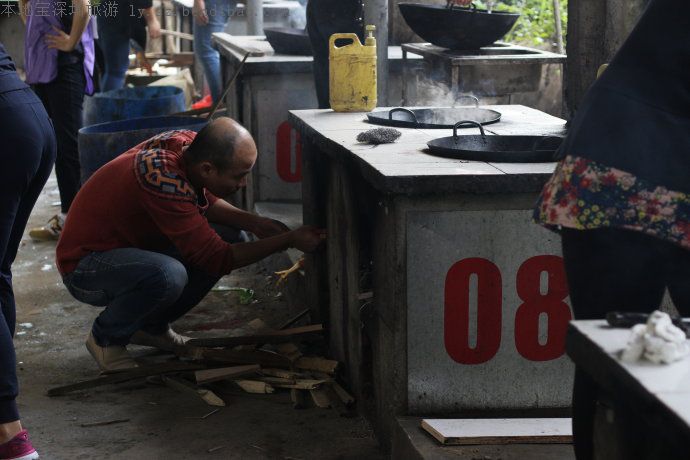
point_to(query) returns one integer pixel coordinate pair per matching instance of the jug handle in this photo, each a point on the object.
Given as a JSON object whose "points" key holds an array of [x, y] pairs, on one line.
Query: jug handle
{"points": [[334, 37]]}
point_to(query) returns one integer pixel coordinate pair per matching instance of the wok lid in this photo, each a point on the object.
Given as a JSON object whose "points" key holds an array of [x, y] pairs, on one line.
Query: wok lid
{"points": [[496, 148]]}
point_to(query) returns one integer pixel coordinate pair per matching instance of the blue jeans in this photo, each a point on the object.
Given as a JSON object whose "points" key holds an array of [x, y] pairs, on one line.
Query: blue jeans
{"points": [[113, 41], [218, 11], [141, 290], [26, 159]]}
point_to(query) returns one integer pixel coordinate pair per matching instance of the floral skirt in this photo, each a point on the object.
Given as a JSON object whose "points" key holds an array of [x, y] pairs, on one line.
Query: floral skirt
{"points": [[583, 194]]}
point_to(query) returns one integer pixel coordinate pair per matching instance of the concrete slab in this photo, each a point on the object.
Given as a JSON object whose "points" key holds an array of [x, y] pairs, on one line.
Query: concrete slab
{"points": [[410, 442]]}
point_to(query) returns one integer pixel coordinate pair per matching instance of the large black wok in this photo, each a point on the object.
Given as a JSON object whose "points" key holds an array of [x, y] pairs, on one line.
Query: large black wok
{"points": [[441, 117], [288, 41], [500, 149], [457, 28]]}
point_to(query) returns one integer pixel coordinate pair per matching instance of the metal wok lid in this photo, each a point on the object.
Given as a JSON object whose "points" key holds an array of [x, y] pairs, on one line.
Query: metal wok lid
{"points": [[432, 118], [496, 148]]}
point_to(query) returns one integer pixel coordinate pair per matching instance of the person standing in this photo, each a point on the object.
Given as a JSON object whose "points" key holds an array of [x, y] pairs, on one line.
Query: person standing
{"points": [[210, 16], [620, 196], [26, 160], [59, 58], [122, 21]]}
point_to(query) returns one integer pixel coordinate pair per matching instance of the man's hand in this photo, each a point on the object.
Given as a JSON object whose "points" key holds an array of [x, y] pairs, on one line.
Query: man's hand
{"points": [[154, 28], [60, 41], [307, 238], [266, 228], [199, 12]]}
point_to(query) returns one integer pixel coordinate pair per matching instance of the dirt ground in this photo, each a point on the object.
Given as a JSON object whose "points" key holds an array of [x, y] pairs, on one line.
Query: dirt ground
{"points": [[161, 423]]}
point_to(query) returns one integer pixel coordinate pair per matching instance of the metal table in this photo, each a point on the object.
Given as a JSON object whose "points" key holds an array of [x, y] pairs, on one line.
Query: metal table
{"points": [[434, 280], [644, 408]]}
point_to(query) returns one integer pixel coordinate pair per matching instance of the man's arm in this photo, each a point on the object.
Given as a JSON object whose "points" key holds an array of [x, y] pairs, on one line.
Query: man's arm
{"points": [[222, 212], [306, 239]]}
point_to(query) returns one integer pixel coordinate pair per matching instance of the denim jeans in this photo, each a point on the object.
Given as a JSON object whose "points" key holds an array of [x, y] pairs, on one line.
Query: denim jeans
{"points": [[113, 40], [26, 159], [63, 99], [218, 11], [141, 290]]}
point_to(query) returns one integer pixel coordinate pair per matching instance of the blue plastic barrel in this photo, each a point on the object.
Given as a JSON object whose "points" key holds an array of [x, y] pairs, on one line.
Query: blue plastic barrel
{"points": [[98, 144], [126, 103]]}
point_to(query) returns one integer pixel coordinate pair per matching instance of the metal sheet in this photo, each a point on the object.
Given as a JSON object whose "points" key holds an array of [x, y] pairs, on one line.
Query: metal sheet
{"points": [[504, 239], [278, 171]]}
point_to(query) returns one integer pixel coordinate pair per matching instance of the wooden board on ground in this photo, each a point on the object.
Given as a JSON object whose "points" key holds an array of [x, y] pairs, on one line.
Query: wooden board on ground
{"points": [[213, 375], [327, 366], [186, 386], [500, 431], [254, 386], [320, 398], [286, 335], [136, 373]]}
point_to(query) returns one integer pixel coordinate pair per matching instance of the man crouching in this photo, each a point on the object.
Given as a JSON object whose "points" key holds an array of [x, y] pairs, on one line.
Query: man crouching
{"points": [[148, 236]]}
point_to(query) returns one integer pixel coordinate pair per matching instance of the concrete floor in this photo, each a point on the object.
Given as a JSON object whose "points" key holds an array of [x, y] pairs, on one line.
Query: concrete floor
{"points": [[163, 423]]}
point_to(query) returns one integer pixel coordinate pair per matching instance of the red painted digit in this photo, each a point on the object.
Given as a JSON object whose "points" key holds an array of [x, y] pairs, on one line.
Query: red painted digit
{"points": [[456, 329], [284, 153], [535, 303]]}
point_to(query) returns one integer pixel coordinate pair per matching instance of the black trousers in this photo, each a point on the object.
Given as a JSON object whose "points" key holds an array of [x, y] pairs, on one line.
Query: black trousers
{"points": [[26, 159], [613, 269], [63, 99], [325, 18]]}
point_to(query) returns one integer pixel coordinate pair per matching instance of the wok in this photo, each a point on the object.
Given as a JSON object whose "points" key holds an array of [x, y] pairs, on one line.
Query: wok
{"points": [[500, 149], [432, 118], [457, 28], [288, 41]]}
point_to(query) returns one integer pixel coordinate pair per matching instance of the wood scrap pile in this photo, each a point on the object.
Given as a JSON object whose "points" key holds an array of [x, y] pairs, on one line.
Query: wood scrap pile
{"points": [[261, 363]]}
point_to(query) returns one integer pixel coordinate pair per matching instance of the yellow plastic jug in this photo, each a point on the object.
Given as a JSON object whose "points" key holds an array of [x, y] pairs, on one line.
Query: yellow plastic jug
{"points": [[352, 73]]}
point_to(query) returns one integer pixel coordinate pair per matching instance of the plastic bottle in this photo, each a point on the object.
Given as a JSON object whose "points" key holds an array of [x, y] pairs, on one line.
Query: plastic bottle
{"points": [[352, 73]]}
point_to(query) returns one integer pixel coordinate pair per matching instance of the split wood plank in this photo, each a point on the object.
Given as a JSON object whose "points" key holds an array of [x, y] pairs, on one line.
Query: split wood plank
{"points": [[299, 398], [290, 351], [121, 377], [500, 431], [300, 384], [262, 357], [320, 398], [294, 319], [213, 375], [344, 396], [186, 386], [282, 373], [317, 364], [255, 386], [285, 335]]}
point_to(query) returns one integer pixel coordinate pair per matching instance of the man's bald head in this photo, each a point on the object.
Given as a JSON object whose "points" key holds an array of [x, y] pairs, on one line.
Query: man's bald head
{"points": [[218, 142]]}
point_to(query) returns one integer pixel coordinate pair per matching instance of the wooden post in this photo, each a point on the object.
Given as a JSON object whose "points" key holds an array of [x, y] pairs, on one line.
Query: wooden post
{"points": [[255, 17], [559, 25]]}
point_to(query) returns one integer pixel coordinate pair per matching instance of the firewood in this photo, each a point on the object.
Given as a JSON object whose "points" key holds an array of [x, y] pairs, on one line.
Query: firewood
{"points": [[317, 364], [213, 375], [186, 386], [255, 387]]}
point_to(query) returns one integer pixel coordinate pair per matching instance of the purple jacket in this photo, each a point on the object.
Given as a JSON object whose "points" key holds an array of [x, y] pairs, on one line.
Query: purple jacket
{"points": [[41, 62]]}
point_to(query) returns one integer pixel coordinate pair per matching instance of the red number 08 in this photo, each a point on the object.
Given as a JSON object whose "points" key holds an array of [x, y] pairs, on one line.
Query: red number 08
{"points": [[490, 309]]}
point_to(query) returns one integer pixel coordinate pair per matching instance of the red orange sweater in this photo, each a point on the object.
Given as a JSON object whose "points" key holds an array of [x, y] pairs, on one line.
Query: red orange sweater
{"points": [[143, 199]]}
